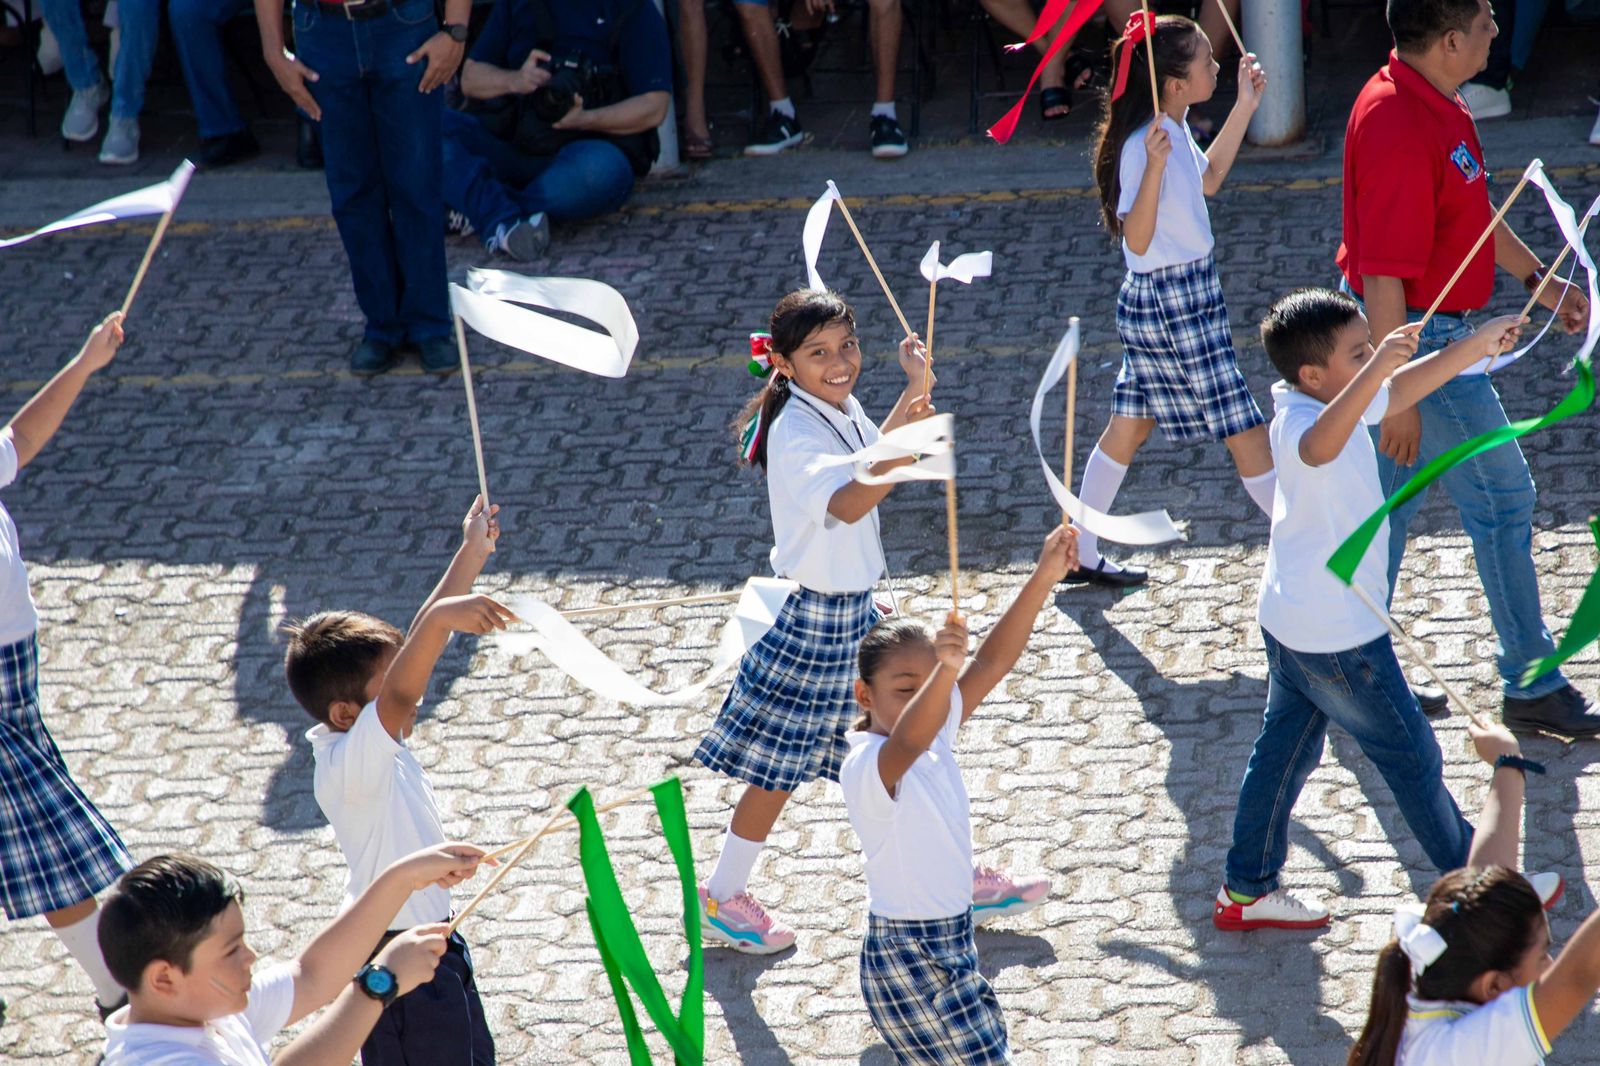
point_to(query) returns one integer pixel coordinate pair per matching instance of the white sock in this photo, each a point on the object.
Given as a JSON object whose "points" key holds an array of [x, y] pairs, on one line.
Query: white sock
{"points": [[82, 940], [886, 110], [1102, 477], [732, 872], [1261, 489], [784, 106]]}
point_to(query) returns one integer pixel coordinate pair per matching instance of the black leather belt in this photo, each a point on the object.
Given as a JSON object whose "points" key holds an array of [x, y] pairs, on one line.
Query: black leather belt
{"points": [[369, 9]]}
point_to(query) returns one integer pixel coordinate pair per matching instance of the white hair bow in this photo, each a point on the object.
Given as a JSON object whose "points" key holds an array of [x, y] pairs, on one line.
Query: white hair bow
{"points": [[1420, 941]]}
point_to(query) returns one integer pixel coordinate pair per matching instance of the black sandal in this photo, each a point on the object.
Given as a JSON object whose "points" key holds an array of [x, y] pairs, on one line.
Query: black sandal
{"points": [[1053, 97]]}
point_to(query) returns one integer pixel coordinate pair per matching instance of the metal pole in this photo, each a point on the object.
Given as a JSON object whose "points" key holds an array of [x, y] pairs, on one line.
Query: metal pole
{"points": [[1272, 30]]}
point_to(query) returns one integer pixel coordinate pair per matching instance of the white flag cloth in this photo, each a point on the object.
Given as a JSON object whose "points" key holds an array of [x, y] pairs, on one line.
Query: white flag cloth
{"points": [[150, 200], [489, 305], [816, 227], [1151, 527], [576, 656], [932, 440], [962, 268]]}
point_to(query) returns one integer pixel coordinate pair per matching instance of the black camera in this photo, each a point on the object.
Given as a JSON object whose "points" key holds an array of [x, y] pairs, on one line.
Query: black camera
{"points": [[570, 77]]}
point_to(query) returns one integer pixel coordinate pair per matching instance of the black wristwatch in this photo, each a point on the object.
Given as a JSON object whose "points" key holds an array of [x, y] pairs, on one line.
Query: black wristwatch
{"points": [[378, 983], [456, 30], [1517, 762]]}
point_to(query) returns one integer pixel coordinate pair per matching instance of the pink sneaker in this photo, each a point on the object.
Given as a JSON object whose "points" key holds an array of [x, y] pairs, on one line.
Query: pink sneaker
{"points": [[741, 924], [997, 894]]}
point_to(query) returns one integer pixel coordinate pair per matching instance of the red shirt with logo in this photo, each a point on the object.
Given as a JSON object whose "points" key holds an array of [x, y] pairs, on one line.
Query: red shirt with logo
{"points": [[1415, 191]]}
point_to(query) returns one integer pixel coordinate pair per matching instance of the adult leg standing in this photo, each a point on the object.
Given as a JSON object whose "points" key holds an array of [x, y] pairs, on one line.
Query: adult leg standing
{"points": [[197, 27]]}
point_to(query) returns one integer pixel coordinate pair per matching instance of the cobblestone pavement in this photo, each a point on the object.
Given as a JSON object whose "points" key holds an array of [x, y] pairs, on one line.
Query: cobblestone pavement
{"points": [[226, 474]]}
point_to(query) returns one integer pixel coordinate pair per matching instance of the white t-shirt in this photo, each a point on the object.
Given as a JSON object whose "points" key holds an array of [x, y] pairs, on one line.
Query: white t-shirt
{"points": [[378, 799], [1183, 225], [236, 1040], [1314, 510], [809, 545], [1506, 1031], [918, 843], [18, 618]]}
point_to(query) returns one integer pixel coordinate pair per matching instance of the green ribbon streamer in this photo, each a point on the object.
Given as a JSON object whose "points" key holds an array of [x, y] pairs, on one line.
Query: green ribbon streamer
{"points": [[621, 951], [1582, 631], [1348, 557]]}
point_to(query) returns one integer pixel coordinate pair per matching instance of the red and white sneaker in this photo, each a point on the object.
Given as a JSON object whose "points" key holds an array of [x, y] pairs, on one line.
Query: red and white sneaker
{"points": [[742, 924], [1549, 886], [997, 894], [1275, 910]]}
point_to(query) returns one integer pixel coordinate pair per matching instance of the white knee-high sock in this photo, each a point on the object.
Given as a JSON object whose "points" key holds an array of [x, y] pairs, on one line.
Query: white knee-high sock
{"points": [[732, 872], [1261, 489], [1102, 477], [82, 940]]}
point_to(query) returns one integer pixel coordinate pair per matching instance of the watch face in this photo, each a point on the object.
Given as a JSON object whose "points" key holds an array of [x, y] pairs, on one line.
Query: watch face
{"points": [[379, 982]]}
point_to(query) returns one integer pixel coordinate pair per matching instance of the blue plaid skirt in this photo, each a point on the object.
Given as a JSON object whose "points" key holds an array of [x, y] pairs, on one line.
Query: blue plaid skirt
{"points": [[55, 848], [784, 720], [1178, 363], [926, 997]]}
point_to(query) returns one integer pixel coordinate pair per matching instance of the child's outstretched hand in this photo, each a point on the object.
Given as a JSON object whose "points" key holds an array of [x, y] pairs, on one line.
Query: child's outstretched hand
{"points": [[1492, 741], [1501, 334], [476, 613], [950, 643], [103, 343], [445, 865], [913, 358], [1060, 555], [1396, 350], [1157, 146], [480, 530], [920, 408], [1252, 82], [414, 955]]}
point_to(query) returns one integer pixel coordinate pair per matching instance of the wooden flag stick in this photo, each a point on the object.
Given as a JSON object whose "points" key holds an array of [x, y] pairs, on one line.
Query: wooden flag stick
{"points": [[568, 823], [1150, 54], [1418, 653], [1493, 222], [1550, 272], [873, 263], [472, 412], [927, 360], [144, 264], [651, 605], [1072, 417], [500, 874], [1223, 4], [955, 567]]}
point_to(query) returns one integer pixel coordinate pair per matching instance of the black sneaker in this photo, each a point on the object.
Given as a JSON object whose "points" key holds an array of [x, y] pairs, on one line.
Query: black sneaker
{"points": [[371, 358], [457, 224], [780, 132], [1433, 701], [888, 140], [228, 149], [1563, 713], [1123, 578], [439, 355]]}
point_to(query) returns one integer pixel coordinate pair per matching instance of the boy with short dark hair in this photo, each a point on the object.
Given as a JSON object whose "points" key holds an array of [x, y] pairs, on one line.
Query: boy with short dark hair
{"points": [[362, 681], [173, 934], [1328, 656]]}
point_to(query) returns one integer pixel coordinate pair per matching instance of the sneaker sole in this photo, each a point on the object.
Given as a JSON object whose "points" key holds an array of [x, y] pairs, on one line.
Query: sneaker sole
{"points": [[1228, 925], [1541, 729], [740, 942], [77, 139], [773, 149], [119, 160], [890, 151], [1010, 907]]}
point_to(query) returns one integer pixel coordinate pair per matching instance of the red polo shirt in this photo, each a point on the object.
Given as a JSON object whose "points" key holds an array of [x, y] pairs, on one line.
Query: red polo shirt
{"points": [[1415, 191]]}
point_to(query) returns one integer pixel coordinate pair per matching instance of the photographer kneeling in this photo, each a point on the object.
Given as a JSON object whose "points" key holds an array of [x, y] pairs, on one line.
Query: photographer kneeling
{"points": [[565, 99]]}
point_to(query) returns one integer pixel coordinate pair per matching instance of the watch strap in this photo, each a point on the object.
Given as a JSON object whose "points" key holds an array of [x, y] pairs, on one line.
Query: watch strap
{"points": [[1517, 762], [1532, 281], [456, 30]]}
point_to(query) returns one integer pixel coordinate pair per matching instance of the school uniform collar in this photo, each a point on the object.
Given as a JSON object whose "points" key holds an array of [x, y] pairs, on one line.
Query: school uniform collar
{"points": [[121, 1031], [840, 420], [1286, 395], [1409, 80]]}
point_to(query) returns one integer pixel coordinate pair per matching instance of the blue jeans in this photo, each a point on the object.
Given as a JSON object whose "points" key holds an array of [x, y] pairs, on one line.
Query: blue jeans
{"points": [[139, 22], [492, 183], [1364, 692], [197, 32], [380, 145]]}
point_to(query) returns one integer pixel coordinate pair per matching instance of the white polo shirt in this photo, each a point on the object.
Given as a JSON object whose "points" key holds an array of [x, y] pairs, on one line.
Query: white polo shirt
{"points": [[18, 618], [809, 545], [1506, 1031], [236, 1040], [377, 797], [1183, 224], [1314, 509], [918, 843]]}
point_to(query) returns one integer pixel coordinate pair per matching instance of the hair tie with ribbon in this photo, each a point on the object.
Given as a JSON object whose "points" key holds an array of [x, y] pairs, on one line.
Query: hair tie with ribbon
{"points": [[760, 364], [1420, 941], [1141, 27]]}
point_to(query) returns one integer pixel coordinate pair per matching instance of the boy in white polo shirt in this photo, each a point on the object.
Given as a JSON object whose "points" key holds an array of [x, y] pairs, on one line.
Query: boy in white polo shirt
{"points": [[1328, 656], [362, 680]]}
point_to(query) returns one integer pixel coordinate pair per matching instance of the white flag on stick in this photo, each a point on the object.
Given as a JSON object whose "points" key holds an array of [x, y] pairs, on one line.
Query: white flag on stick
{"points": [[489, 305], [150, 200], [962, 268], [575, 655], [816, 227], [932, 441]]}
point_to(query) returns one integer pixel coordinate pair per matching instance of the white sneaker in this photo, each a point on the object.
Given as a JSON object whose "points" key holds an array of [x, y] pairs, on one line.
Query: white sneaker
{"points": [[1594, 134], [1485, 101], [82, 120], [121, 145], [1275, 910], [1548, 885]]}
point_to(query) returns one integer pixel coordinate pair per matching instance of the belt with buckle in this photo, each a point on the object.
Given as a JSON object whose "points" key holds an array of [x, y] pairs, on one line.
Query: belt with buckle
{"points": [[366, 10]]}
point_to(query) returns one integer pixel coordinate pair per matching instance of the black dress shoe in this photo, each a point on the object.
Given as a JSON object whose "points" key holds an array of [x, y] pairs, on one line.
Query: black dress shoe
{"points": [[439, 355], [1127, 577], [1563, 713], [308, 145], [1433, 701], [372, 358], [232, 148]]}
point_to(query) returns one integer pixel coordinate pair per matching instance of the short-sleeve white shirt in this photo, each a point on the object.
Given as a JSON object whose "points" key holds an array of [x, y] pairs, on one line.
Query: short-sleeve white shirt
{"points": [[18, 617], [378, 799], [236, 1040], [809, 545], [1506, 1031], [917, 844], [1183, 224], [1314, 509]]}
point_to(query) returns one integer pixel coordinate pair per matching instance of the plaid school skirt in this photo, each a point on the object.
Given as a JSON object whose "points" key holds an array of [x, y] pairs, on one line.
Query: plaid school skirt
{"points": [[55, 848], [926, 997], [784, 720], [1178, 363]]}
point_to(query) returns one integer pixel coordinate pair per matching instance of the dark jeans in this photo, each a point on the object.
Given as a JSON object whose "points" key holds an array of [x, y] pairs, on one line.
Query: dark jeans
{"points": [[380, 141], [1364, 692], [197, 33], [492, 183], [440, 1023]]}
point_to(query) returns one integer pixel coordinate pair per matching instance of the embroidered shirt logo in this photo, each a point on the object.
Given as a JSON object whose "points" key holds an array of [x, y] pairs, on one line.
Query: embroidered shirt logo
{"points": [[1462, 157]]}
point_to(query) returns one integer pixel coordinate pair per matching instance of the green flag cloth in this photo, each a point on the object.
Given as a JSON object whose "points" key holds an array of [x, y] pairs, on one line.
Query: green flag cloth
{"points": [[1582, 631], [1348, 557], [621, 951]]}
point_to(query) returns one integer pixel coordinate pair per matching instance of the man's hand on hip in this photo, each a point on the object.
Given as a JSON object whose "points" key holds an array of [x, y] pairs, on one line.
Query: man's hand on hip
{"points": [[293, 76], [443, 54]]}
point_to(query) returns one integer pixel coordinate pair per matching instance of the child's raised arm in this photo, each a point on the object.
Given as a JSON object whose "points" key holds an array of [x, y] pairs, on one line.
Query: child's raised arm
{"points": [[1416, 379], [1567, 988], [1225, 146], [1003, 646], [479, 531], [1139, 224], [34, 425], [1499, 831], [407, 678], [1327, 437], [919, 724]]}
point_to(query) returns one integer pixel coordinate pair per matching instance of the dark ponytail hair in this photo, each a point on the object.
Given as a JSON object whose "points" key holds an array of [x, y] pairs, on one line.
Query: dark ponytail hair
{"points": [[1177, 41], [1489, 917], [881, 641], [797, 316]]}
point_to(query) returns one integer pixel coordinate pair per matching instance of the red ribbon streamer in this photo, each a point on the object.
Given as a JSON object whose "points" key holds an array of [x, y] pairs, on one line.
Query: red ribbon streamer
{"points": [[1135, 31], [1084, 10]]}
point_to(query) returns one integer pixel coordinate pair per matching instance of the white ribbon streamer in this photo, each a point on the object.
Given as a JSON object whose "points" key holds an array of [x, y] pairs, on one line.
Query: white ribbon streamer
{"points": [[816, 227], [489, 302], [962, 268], [1421, 942], [150, 200], [575, 655], [931, 440], [1151, 527]]}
